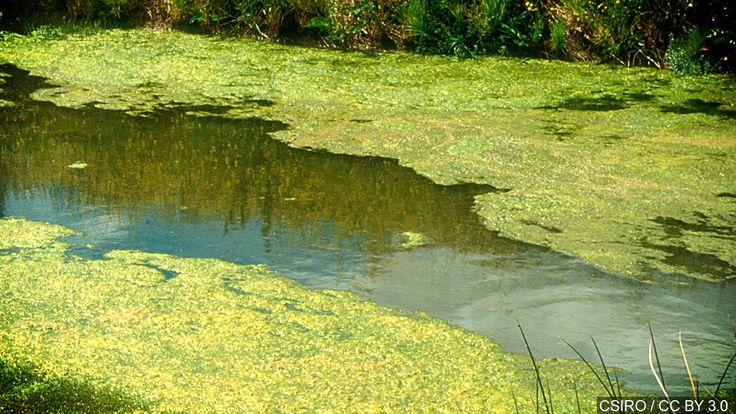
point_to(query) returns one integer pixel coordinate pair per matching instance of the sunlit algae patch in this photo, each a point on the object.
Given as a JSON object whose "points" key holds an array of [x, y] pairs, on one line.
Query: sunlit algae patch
{"points": [[622, 167], [204, 335]]}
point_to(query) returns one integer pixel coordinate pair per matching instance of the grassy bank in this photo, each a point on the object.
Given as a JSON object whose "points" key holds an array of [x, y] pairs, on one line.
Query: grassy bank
{"points": [[203, 335], [630, 169]]}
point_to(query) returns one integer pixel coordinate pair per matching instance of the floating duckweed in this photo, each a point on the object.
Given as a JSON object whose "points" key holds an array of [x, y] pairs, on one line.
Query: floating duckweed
{"points": [[410, 239], [77, 165], [607, 150], [222, 337]]}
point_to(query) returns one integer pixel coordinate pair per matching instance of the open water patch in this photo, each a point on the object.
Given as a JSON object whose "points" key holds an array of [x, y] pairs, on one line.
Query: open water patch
{"points": [[207, 186]]}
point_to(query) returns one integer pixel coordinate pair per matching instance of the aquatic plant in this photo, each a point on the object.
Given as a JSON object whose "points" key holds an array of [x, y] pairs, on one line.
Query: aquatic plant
{"points": [[591, 153], [548, 407], [224, 337], [613, 386], [26, 388]]}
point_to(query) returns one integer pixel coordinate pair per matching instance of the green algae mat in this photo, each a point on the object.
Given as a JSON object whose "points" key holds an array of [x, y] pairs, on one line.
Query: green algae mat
{"points": [[157, 333], [631, 169]]}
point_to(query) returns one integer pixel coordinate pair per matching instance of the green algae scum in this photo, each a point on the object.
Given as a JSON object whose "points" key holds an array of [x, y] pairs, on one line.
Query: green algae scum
{"points": [[220, 337], [605, 156], [552, 190]]}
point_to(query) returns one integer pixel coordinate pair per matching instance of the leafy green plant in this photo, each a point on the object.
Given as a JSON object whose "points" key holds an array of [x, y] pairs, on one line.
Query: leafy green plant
{"points": [[624, 31], [629, 32], [557, 33], [105, 11], [683, 56], [470, 28]]}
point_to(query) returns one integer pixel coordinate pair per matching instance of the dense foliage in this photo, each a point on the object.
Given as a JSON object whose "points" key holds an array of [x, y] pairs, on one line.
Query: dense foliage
{"points": [[689, 36]]}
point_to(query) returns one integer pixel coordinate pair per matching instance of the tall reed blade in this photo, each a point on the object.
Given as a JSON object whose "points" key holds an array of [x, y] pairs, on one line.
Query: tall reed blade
{"points": [[656, 355], [590, 367], [654, 372], [603, 364], [687, 367], [725, 371], [536, 369], [516, 403], [618, 383]]}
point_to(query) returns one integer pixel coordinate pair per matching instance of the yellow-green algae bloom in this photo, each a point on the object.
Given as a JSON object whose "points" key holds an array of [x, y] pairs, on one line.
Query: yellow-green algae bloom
{"points": [[628, 168], [208, 336]]}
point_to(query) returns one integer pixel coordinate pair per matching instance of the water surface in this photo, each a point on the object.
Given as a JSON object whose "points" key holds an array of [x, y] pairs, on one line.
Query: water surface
{"points": [[187, 182]]}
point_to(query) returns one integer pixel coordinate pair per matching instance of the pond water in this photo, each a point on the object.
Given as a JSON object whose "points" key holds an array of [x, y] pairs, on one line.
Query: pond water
{"points": [[184, 181]]}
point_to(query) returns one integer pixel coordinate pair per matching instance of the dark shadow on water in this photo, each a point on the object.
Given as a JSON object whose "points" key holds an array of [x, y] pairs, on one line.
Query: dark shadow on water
{"points": [[674, 227], [681, 257], [605, 103], [699, 106], [166, 273], [10, 250], [602, 103], [20, 83], [561, 131], [549, 229], [25, 388], [639, 97]]}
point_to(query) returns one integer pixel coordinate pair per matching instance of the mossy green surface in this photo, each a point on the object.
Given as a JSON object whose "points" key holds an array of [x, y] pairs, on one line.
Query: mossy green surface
{"points": [[204, 335], [622, 167]]}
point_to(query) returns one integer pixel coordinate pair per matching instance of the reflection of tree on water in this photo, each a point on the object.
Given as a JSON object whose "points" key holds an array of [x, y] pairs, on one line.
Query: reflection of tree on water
{"points": [[11, 79], [202, 167], [3, 174]]}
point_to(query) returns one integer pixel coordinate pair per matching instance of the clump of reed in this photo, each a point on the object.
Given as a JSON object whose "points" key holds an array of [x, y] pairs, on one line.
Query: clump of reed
{"points": [[609, 380]]}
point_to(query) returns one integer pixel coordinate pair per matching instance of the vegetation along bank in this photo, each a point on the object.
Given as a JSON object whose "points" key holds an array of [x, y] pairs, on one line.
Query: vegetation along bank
{"points": [[630, 169], [689, 36]]}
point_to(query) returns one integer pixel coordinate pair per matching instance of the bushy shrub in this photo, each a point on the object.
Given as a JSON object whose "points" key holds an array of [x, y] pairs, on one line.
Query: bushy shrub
{"points": [[465, 28], [104, 9], [685, 57], [557, 35], [360, 23], [715, 20], [267, 18], [631, 32]]}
